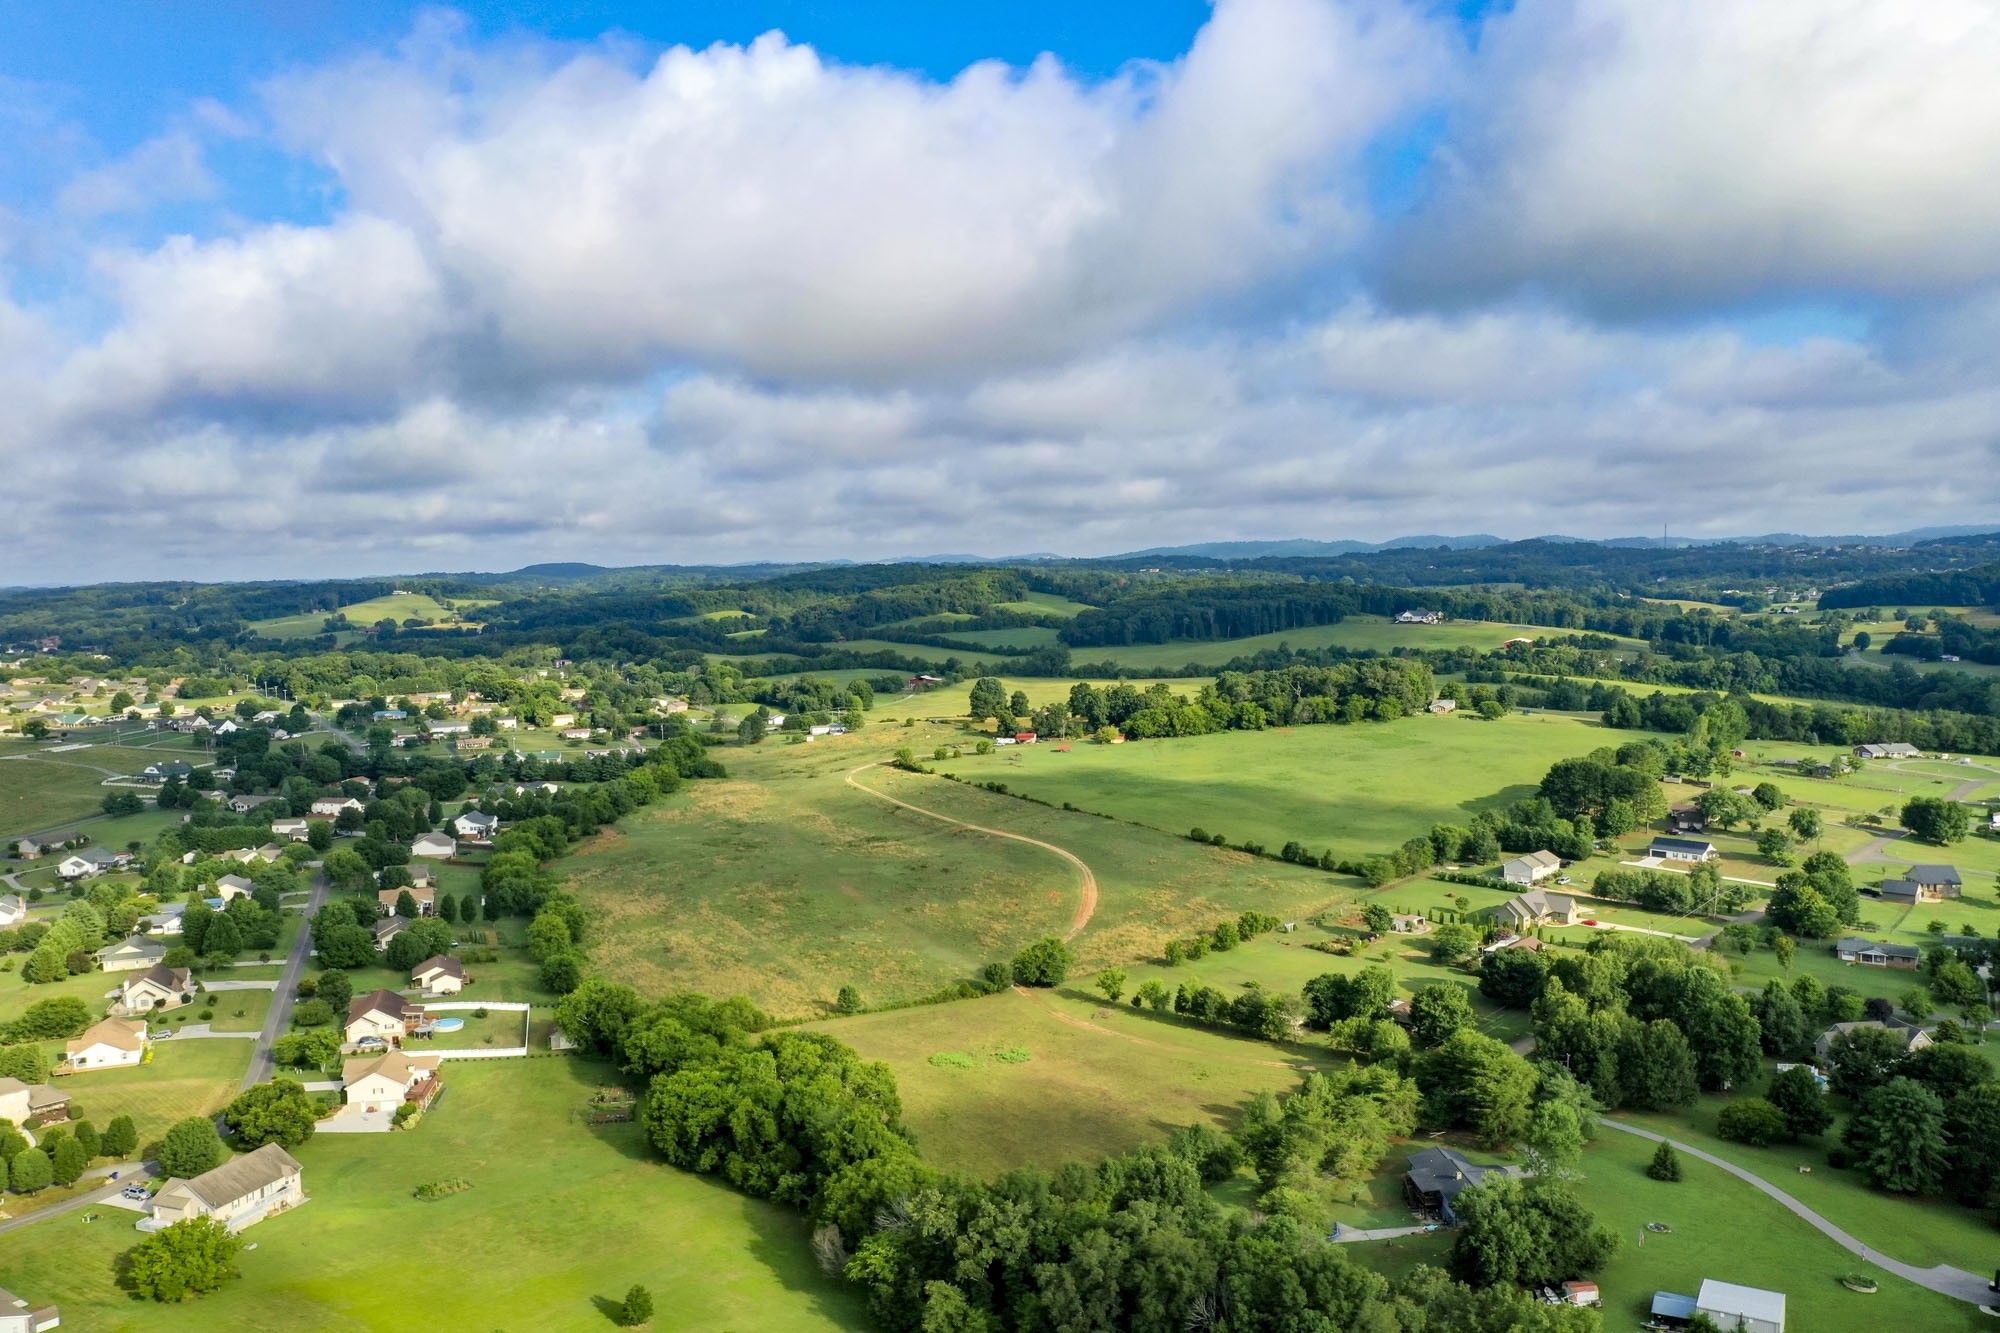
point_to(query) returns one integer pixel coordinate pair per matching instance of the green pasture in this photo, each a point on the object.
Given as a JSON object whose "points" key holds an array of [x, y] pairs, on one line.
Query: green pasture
{"points": [[561, 1219], [398, 607], [1100, 1079], [1376, 634], [1045, 603], [1358, 789], [1722, 1228], [955, 701], [186, 1076], [1026, 636], [40, 791], [784, 883]]}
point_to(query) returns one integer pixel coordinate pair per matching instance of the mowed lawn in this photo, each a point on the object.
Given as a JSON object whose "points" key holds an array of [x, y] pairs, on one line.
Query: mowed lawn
{"points": [[186, 1076], [560, 1218], [1357, 789], [786, 883], [1098, 1079], [39, 791]]}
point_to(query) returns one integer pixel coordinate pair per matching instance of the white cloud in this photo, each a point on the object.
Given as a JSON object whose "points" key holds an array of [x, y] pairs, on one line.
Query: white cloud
{"points": [[167, 169], [1638, 153]]}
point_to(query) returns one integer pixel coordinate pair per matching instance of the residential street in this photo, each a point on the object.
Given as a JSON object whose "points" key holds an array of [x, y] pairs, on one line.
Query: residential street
{"points": [[280, 1018]]}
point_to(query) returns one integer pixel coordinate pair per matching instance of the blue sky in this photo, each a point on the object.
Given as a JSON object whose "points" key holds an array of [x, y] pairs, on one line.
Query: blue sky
{"points": [[921, 276]]}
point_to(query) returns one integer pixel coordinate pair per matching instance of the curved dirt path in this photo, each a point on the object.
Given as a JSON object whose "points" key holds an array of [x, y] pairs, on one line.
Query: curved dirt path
{"points": [[1876, 850], [1943, 1278], [1085, 909]]}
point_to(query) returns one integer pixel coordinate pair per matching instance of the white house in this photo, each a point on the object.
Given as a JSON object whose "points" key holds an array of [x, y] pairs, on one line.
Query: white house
{"points": [[22, 1102], [382, 1014], [563, 720], [442, 975], [292, 830], [436, 846], [13, 909], [476, 826], [448, 728], [17, 1317], [1532, 868], [424, 897], [240, 1193], [90, 861], [132, 954], [158, 986], [167, 921], [331, 806], [388, 928], [231, 887], [383, 1083], [112, 1043], [1682, 849]]}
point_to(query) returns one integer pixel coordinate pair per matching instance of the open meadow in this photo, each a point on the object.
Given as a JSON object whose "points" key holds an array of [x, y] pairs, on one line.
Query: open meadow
{"points": [[560, 1219], [396, 606], [786, 881], [1357, 789], [1377, 634], [1042, 1078], [39, 791]]}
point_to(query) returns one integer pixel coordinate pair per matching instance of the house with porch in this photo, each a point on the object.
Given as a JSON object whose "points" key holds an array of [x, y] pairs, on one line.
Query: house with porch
{"points": [[1870, 953], [242, 1192], [382, 1014], [384, 1082], [1924, 884], [111, 1043]]}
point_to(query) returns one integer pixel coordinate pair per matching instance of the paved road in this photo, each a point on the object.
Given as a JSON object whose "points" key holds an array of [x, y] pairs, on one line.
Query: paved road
{"points": [[1348, 1234], [128, 1173], [262, 1066], [1945, 1279]]}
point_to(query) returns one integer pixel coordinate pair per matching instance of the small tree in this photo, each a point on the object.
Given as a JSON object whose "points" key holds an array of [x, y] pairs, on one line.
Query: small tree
{"points": [[186, 1259], [848, 1001], [30, 1172], [1666, 1163], [190, 1148], [1111, 981], [1046, 962], [638, 1307], [68, 1162], [121, 1139], [1378, 917], [88, 1138]]}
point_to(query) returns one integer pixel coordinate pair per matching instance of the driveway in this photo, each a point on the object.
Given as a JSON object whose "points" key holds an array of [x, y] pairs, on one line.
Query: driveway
{"points": [[262, 1066], [203, 1032], [128, 1173], [1944, 1279], [353, 1120]]}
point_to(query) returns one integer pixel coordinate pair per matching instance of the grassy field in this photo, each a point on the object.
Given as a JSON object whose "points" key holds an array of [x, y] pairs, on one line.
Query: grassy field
{"points": [[1359, 633], [38, 791], [1045, 603], [397, 607], [785, 883], [560, 1220], [184, 1078], [1098, 1079], [956, 700], [1357, 789]]}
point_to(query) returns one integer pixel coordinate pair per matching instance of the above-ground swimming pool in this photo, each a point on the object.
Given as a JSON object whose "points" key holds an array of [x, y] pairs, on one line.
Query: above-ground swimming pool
{"points": [[447, 1025]]}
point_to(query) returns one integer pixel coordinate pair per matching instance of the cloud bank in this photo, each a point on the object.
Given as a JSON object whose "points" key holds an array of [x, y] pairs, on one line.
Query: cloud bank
{"points": [[1340, 270]]}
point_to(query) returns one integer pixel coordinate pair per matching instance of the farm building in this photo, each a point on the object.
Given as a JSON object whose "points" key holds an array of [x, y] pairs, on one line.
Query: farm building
{"points": [[1532, 868], [1682, 849], [1750, 1309]]}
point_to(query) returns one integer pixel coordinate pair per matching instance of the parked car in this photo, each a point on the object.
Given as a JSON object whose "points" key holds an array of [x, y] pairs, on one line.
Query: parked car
{"points": [[1590, 921], [136, 1192]]}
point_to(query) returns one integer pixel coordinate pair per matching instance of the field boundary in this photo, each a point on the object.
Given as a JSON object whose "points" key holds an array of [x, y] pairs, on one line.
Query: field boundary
{"points": [[1086, 908]]}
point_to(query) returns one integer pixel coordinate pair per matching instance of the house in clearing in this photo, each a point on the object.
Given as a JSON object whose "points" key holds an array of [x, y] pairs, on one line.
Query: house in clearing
{"points": [[242, 1192], [243, 805], [1913, 1039], [1537, 907], [291, 830], [31, 1103], [1419, 617], [169, 920], [1442, 705], [384, 1082], [1532, 868], [388, 928], [172, 768], [330, 807], [232, 887], [1682, 849], [90, 861], [383, 1014], [131, 954], [13, 909], [1868, 953], [443, 975], [158, 987], [426, 899], [17, 1317], [1437, 1176], [1887, 750], [111, 1043], [1924, 884]]}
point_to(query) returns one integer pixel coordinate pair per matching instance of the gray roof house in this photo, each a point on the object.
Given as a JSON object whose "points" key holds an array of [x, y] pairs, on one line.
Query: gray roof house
{"points": [[1924, 883], [1532, 868], [1913, 1039], [1681, 849], [1887, 750], [1536, 907], [1437, 1176], [1751, 1309], [1870, 953]]}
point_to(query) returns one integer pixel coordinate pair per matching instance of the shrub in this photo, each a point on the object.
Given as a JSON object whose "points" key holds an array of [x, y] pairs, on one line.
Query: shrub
{"points": [[1046, 962], [1666, 1163], [438, 1189], [312, 1014], [1754, 1121]]}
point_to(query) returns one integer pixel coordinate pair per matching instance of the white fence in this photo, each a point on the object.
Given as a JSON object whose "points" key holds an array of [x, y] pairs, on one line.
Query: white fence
{"points": [[485, 1052]]}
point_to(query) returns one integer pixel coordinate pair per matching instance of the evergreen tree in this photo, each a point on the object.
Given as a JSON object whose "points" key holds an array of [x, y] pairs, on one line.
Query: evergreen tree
{"points": [[1666, 1163]]}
